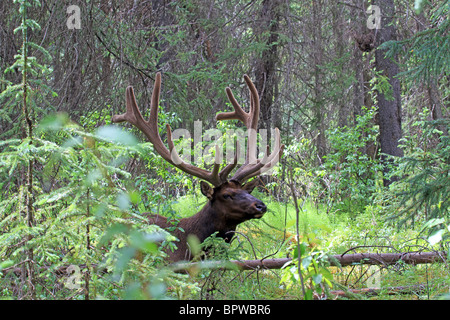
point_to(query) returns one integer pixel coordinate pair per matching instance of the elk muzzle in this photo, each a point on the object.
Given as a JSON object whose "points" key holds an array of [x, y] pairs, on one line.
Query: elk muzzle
{"points": [[259, 208]]}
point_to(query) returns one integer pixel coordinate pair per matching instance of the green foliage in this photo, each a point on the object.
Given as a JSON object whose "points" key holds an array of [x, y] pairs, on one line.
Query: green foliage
{"points": [[136, 262], [73, 209], [380, 84], [352, 171], [31, 93], [73, 195], [427, 53], [425, 189], [315, 277], [83, 214], [440, 230]]}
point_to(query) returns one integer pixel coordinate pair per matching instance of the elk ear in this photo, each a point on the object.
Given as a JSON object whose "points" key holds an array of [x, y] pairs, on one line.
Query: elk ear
{"points": [[206, 189], [249, 186]]}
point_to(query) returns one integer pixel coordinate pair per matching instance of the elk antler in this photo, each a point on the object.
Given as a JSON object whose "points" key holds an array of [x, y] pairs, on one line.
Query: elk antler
{"points": [[150, 129], [252, 166]]}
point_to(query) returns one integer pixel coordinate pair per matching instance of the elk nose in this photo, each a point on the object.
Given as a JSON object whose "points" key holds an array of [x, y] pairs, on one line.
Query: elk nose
{"points": [[261, 207]]}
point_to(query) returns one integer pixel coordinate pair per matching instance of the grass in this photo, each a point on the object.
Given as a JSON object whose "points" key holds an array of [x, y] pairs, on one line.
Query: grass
{"points": [[279, 216], [336, 233]]}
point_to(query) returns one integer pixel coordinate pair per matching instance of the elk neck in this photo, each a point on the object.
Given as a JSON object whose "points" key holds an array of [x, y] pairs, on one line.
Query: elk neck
{"points": [[210, 220]]}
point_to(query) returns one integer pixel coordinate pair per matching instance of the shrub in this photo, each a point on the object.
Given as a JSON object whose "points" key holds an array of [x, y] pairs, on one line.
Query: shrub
{"points": [[353, 173]]}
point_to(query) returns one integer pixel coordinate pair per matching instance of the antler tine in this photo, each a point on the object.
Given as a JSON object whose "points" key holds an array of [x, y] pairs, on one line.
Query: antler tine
{"points": [[249, 119], [150, 130], [248, 171], [131, 106], [229, 167], [252, 166], [254, 103], [237, 114]]}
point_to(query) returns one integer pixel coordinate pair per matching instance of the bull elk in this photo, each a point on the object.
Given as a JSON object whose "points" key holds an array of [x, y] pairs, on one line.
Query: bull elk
{"points": [[230, 202]]}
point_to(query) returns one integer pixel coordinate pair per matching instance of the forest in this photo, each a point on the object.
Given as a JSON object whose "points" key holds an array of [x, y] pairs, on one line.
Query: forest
{"points": [[224, 150]]}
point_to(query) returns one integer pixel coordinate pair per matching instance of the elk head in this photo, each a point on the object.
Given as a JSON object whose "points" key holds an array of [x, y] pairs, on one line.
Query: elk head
{"points": [[233, 202]]}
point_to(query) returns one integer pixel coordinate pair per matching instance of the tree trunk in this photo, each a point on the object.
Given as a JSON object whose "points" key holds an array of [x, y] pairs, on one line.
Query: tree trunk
{"points": [[431, 87], [319, 103], [389, 103], [341, 100], [266, 80], [358, 62]]}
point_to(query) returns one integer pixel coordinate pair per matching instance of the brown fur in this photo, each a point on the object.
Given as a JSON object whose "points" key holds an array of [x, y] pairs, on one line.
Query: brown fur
{"points": [[229, 205]]}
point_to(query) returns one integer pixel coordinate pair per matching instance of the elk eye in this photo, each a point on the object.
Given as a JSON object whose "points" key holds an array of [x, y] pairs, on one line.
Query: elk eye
{"points": [[227, 196]]}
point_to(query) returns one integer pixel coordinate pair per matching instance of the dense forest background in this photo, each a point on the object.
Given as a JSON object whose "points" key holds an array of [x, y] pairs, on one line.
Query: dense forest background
{"points": [[361, 98]]}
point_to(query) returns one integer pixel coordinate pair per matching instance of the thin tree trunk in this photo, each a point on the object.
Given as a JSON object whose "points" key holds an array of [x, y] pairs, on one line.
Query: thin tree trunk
{"points": [[435, 104], [319, 104], [265, 79], [29, 176], [389, 103]]}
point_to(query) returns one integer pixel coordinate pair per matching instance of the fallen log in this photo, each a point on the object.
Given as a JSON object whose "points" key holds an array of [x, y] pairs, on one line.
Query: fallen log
{"points": [[353, 259], [334, 260], [384, 259]]}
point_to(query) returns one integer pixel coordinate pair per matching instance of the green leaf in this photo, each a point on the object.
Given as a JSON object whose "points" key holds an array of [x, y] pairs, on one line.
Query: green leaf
{"points": [[194, 244], [157, 290], [436, 237], [126, 254], [309, 294], [306, 262], [116, 134], [433, 222], [418, 5], [317, 278], [6, 264], [123, 201], [146, 242], [135, 197], [53, 122], [111, 232]]}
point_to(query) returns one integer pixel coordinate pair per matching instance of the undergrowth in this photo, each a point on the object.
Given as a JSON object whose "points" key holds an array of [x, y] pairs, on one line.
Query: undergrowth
{"points": [[271, 236]]}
